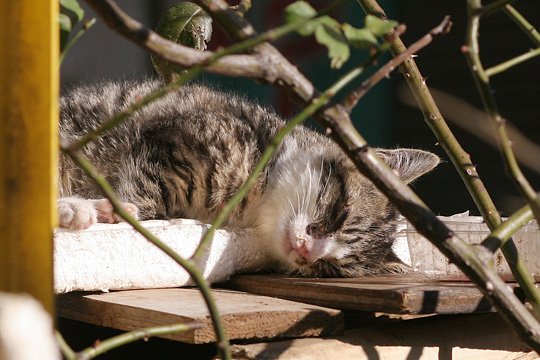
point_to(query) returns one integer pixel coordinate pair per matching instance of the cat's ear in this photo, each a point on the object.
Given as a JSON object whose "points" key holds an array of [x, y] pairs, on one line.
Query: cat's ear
{"points": [[409, 163]]}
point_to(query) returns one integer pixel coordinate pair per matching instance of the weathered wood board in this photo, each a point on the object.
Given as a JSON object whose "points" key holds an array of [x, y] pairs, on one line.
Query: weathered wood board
{"points": [[393, 294], [245, 316]]}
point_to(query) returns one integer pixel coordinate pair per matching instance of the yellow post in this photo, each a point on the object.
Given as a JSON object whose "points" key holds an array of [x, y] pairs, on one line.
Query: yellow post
{"points": [[28, 145]]}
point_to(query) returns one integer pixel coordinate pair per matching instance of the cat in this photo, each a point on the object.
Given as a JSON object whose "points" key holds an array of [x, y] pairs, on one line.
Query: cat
{"points": [[187, 153]]}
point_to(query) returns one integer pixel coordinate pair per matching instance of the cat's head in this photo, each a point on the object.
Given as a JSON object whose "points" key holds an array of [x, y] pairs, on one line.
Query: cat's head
{"points": [[333, 222]]}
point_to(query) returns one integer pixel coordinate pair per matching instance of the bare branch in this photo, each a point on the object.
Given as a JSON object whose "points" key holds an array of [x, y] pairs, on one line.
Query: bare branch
{"points": [[231, 65], [132, 336]]}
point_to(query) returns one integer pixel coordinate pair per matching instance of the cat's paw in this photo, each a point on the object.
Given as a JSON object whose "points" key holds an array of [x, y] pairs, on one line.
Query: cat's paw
{"points": [[105, 211], [79, 214], [75, 213]]}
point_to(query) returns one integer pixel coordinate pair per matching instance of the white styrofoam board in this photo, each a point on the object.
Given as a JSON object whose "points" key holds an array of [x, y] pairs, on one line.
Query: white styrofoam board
{"points": [[115, 256]]}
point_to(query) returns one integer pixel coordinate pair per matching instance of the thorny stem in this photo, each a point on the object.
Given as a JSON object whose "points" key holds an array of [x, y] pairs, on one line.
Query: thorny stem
{"points": [[189, 266], [434, 119], [476, 188], [132, 336], [472, 52]]}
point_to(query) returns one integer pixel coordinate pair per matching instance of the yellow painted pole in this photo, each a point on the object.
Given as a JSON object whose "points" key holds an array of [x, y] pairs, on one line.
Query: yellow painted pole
{"points": [[28, 145]]}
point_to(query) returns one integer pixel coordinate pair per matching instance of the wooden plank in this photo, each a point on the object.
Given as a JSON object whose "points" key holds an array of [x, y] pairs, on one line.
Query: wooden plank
{"points": [[394, 294], [245, 316]]}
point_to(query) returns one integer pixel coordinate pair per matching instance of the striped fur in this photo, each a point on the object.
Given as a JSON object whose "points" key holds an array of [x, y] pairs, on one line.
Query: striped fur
{"points": [[186, 154]]}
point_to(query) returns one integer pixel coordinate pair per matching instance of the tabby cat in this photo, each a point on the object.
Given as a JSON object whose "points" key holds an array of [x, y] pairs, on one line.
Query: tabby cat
{"points": [[186, 154]]}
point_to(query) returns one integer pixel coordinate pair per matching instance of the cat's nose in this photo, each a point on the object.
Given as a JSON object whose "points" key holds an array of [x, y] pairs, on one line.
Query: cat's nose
{"points": [[302, 250]]}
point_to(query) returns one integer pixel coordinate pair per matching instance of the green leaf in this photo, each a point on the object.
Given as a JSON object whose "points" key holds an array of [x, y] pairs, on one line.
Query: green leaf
{"points": [[65, 29], [328, 33], [184, 23], [73, 7], [359, 38], [301, 11], [379, 27]]}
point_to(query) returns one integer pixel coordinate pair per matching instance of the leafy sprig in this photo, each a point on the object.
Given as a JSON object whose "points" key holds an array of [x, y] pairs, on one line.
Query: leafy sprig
{"points": [[338, 37], [71, 14]]}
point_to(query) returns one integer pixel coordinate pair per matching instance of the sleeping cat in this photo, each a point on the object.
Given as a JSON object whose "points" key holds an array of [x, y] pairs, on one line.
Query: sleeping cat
{"points": [[186, 154]]}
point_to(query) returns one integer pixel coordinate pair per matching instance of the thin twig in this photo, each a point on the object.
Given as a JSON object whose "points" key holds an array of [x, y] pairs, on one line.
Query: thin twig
{"points": [[505, 231], [66, 350], [352, 99], [523, 24], [134, 107], [132, 336], [186, 56], [87, 25], [492, 7], [512, 62], [436, 122]]}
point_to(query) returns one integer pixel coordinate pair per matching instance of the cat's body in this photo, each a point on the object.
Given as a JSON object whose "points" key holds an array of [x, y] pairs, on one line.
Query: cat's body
{"points": [[186, 154]]}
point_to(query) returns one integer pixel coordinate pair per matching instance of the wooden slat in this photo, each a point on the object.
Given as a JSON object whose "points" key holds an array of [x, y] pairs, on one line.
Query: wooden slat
{"points": [[395, 294], [245, 316]]}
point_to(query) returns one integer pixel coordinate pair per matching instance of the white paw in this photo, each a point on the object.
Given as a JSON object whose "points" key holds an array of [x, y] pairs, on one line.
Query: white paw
{"points": [[79, 214], [75, 213], [105, 211]]}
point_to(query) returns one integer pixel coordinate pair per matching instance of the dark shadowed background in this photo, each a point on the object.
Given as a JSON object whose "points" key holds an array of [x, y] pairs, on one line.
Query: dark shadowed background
{"points": [[382, 116]]}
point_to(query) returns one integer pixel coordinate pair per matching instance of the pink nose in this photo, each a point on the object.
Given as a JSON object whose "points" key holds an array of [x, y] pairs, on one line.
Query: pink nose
{"points": [[303, 251]]}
